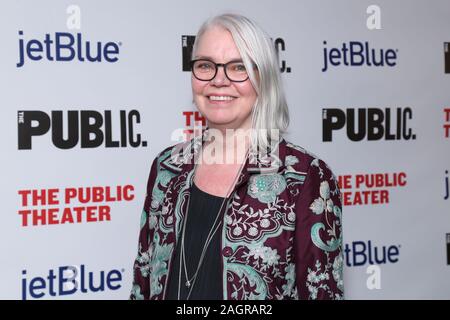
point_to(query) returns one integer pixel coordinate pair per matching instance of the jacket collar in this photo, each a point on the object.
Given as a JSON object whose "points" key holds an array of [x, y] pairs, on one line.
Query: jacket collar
{"points": [[181, 158]]}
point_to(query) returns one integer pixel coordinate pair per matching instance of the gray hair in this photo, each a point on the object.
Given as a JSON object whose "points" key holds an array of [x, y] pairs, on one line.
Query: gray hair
{"points": [[270, 113]]}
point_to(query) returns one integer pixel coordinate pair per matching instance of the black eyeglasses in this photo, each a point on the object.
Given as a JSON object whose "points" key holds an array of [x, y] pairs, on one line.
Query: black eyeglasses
{"points": [[206, 70]]}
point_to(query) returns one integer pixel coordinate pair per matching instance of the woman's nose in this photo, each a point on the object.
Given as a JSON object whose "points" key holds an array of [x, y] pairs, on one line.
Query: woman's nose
{"points": [[220, 78]]}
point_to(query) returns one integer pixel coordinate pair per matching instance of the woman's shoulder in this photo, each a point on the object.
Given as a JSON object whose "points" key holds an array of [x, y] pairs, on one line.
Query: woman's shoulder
{"points": [[312, 175], [299, 159], [166, 152], [174, 157]]}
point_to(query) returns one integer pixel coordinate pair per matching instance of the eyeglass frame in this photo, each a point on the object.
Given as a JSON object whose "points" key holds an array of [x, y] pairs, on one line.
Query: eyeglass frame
{"points": [[217, 65]]}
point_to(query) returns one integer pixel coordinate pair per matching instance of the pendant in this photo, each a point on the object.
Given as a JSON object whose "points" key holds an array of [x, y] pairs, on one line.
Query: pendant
{"points": [[188, 283]]}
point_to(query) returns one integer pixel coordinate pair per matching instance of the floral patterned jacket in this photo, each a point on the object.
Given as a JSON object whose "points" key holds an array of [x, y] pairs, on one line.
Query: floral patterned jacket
{"points": [[281, 236]]}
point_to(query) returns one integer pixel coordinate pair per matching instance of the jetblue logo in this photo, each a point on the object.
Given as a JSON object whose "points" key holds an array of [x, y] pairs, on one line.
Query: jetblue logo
{"points": [[64, 46], [360, 253], [357, 54], [69, 280]]}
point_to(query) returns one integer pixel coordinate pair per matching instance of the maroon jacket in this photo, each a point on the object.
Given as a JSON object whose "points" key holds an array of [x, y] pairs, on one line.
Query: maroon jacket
{"points": [[281, 236]]}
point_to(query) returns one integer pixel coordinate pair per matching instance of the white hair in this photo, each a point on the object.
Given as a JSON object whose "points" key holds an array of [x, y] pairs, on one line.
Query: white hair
{"points": [[270, 113]]}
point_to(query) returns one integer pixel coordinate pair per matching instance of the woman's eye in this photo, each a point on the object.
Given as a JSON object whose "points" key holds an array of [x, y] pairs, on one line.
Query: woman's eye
{"points": [[239, 67]]}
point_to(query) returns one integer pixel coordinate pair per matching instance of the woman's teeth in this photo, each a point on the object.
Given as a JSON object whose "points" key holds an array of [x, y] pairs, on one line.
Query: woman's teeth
{"points": [[221, 98]]}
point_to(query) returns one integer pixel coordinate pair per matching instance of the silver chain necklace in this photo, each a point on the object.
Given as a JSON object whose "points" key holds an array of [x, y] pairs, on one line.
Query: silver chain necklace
{"points": [[190, 282]]}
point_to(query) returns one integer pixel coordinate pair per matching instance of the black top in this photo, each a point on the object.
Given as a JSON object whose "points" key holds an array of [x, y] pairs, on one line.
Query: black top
{"points": [[202, 212]]}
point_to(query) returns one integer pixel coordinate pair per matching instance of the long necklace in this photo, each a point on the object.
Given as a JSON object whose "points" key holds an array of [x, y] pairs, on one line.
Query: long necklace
{"points": [[190, 282]]}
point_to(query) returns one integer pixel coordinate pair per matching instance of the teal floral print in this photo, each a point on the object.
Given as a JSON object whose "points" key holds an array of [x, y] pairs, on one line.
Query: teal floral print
{"points": [[266, 187]]}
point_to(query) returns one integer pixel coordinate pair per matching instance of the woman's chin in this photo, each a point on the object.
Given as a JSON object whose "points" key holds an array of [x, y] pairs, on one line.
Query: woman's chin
{"points": [[220, 122], [219, 117]]}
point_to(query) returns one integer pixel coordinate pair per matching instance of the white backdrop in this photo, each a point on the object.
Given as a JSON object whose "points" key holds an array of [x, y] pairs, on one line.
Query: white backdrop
{"points": [[143, 84]]}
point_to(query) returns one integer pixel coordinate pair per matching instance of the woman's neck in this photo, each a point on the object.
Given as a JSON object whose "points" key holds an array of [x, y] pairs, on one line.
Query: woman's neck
{"points": [[227, 146]]}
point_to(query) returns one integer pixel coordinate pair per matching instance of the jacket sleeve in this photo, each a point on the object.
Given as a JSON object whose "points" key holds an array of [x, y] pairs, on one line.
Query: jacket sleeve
{"points": [[318, 236], [141, 268]]}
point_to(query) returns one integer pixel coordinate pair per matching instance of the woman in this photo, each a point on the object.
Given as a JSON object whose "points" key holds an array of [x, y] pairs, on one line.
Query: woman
{"points": [[263, 224]]}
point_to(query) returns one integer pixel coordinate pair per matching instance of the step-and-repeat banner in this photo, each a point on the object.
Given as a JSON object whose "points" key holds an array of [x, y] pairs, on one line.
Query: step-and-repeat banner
{"points": [[91, 91]]}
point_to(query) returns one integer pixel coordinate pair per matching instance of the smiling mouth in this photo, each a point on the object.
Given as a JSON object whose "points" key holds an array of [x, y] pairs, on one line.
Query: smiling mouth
{"points": [[221, 98]]}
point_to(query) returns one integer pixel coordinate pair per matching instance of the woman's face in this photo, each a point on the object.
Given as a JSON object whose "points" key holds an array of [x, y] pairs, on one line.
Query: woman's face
{"points": [[217, 45]]}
